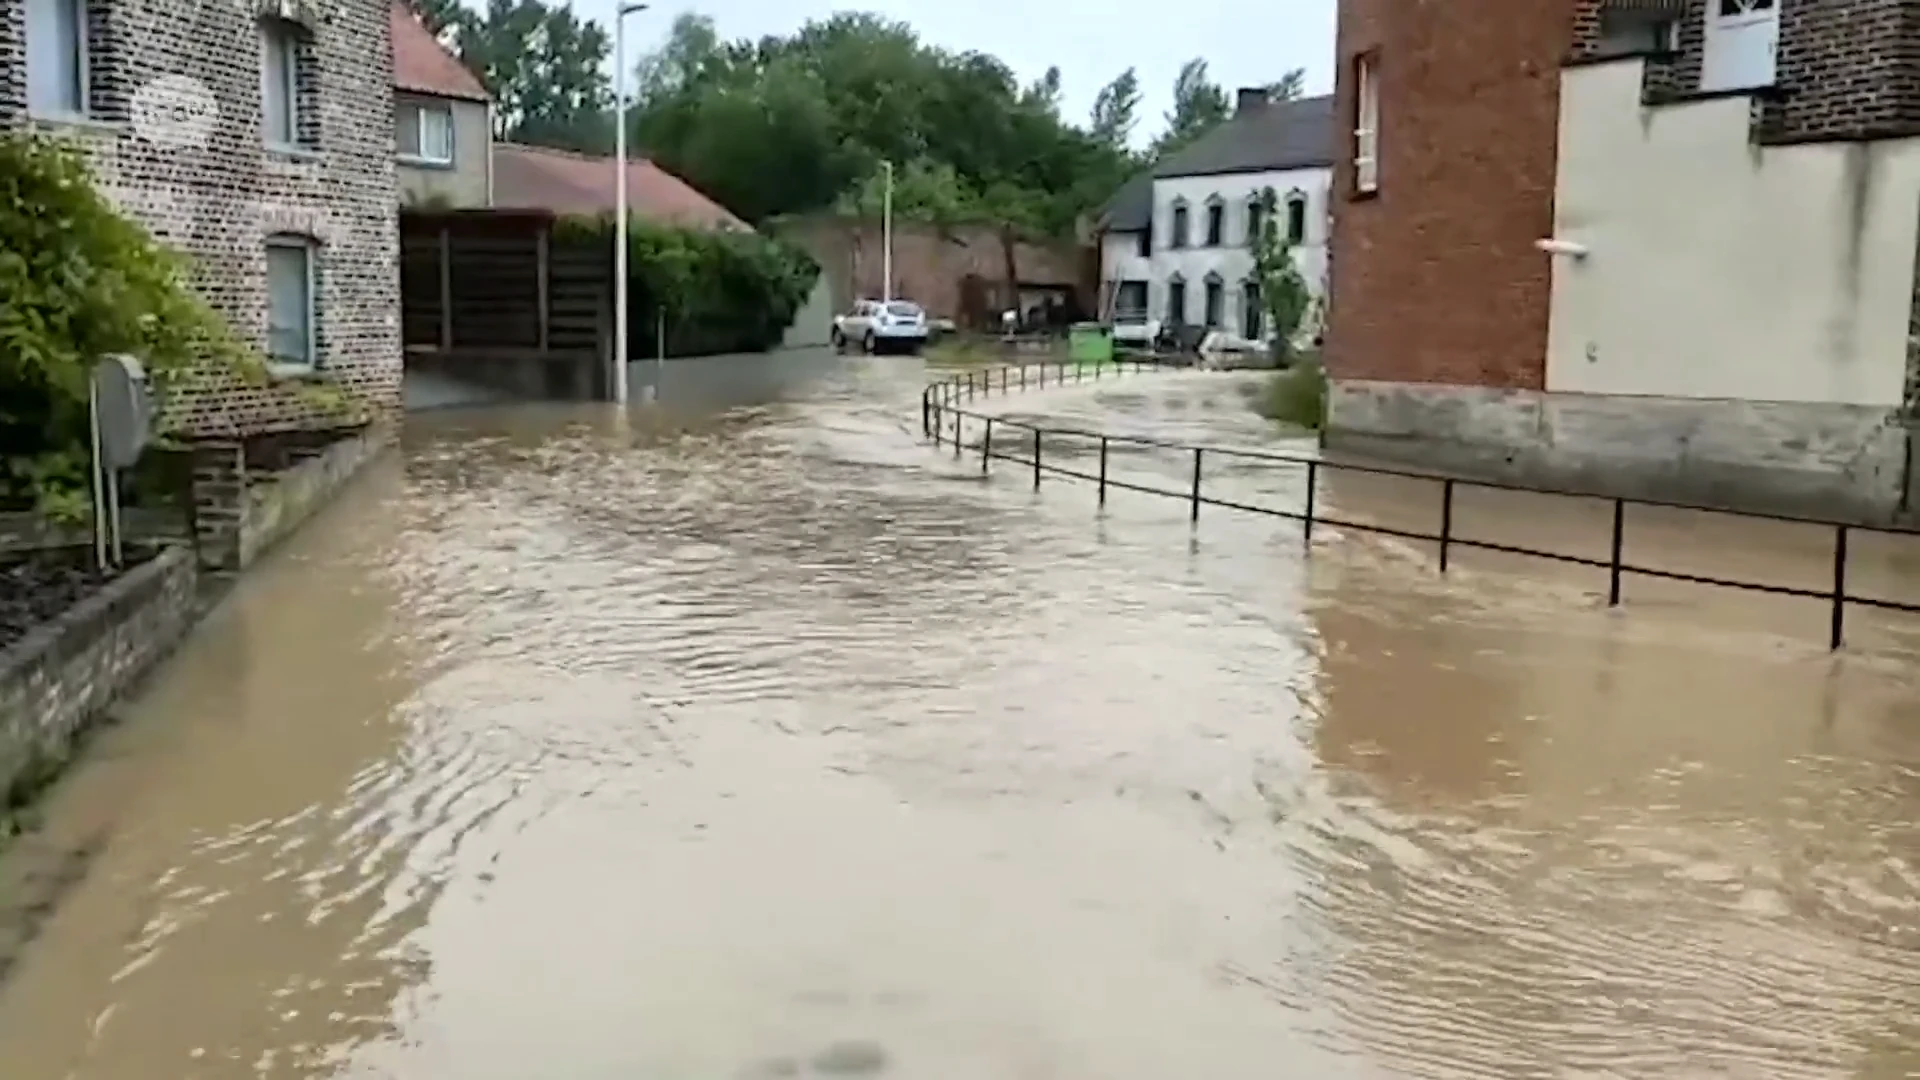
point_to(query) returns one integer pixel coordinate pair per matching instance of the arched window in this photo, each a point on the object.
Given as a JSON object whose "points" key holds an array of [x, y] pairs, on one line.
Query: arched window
{"points": [[1216, 221], [1296, 216], [1176, 300], [293, 307], [1179, 230], [1216, 300]]}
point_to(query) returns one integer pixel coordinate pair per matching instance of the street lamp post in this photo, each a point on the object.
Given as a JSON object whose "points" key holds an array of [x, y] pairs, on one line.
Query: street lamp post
{"points": [[620, 200], [886, 235]]}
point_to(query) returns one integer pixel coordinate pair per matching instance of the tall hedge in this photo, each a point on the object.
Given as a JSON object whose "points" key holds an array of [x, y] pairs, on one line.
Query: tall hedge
{"points": [[720, 291], [79, 280]]}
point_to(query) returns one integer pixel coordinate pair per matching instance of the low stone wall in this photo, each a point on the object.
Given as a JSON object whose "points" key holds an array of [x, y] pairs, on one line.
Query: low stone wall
{"points": [[1830, 461], [239, 515], [62, 677]]}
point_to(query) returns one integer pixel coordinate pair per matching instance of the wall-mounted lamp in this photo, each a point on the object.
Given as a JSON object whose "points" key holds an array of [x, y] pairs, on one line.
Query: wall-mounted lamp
{"points": [[1567, 248]]}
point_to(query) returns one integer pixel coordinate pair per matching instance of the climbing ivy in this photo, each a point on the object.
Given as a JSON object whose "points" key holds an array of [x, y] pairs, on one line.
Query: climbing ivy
{"points": [[80, 281], [721, 291]]}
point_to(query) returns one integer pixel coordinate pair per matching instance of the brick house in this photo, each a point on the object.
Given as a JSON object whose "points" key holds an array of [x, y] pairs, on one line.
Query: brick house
{"points": [[256, 137], [1651, 247]]}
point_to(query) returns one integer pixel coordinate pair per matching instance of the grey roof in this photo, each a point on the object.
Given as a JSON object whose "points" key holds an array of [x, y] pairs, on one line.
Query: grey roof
{"points": [[1131, 208], [1284, 135]]}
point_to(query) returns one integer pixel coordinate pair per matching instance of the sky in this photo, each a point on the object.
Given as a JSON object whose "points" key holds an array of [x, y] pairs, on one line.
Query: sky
{"points": [[1244, 43]]}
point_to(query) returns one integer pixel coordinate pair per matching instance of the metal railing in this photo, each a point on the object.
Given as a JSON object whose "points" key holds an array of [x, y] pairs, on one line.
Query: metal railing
{"points": [[942, 418]]}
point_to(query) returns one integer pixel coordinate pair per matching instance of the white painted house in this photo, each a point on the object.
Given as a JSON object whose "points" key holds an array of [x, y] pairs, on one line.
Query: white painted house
{"points": [[1176, 242]]}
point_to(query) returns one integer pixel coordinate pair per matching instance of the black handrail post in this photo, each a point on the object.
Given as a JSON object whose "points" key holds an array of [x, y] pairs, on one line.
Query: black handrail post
{"points": [[1193, 509], [1313, 482], [957, 417], [1103, 470], [936, 425], [1613, 555], [1004, 376], [1446, 521], [1036, 459], [1838, 629], [1023, 376], [926, 411], [986, 446]]}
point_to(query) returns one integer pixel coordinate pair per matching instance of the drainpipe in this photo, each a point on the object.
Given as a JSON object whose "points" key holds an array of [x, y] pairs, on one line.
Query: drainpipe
{"points": [[489, 153]]}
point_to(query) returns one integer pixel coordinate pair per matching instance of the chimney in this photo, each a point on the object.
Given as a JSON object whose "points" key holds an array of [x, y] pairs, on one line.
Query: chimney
{"points": [[1248, 99]]}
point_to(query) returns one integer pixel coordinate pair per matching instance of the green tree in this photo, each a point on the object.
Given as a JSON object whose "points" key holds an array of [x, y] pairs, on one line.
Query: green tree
{"points": [[1283, 291], [544, 67], [441, 16], [1116, 110], [1198, 104], [1289, 87]]}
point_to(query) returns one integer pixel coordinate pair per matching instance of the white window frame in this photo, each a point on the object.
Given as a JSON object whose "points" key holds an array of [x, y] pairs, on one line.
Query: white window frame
{"points": [[279, 36], [419, 110], [310, 253], [81, 107], [1366, 128]]}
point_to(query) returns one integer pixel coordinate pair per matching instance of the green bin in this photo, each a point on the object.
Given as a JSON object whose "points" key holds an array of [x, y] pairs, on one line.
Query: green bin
{"points": [[1090, 343]]}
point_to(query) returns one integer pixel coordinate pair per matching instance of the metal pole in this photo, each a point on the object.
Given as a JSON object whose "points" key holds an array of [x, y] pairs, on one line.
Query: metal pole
{"points": [[1193, 513], [1446, 521], [1103, 470], [1837, 630], [958, 416], [1036, 459], [1613, 557], [886, 236], [99, 482], [986, 446], [660, 354], [620, 206], [1313, 481]]}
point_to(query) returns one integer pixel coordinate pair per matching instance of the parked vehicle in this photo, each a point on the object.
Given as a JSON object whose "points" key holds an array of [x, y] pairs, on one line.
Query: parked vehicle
{"points": [[1136, 330], [882, 326]]}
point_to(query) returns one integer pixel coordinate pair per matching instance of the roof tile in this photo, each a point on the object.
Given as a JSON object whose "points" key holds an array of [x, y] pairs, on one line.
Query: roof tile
{"points": [[529, 177], [421, 65]]}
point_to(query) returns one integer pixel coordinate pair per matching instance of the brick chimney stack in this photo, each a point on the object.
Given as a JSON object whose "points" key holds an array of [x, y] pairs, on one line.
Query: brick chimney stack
{"points": [[1249, 98]]}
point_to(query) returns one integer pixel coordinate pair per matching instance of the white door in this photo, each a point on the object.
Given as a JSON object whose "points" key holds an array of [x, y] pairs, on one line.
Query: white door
{"points": [[1741, 40]]}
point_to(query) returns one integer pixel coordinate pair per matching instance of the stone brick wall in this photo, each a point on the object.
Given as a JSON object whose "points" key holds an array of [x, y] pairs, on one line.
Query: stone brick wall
{"points": [[244, 505], [929, 267], [1846, 69], [175, 133], [1435, 277], [63, 677]]}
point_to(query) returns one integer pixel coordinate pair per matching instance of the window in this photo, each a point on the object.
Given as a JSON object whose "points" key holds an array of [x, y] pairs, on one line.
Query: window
{"points": [[1145, 242], [1176, 300], [1632, 32], [1250, 310], [1216, 301], [57, 57], [425, 131], [1256, 210], [1216, 222], [1132, 300], [290, 301], [280, 83], [1179, 225], [1296, 217], [1366, 127]]}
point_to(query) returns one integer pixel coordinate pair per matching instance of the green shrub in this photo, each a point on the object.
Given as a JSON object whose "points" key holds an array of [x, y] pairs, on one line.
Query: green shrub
{"points": [[78, 280], [720, 291], [1296, 395]]}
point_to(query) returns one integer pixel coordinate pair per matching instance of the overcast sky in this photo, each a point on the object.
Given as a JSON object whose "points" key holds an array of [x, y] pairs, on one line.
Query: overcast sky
{"points": [[1091, 41]]}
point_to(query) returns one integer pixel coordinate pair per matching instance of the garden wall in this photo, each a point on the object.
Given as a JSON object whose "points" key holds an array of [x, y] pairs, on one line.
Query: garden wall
{"points": [[63, 676]]}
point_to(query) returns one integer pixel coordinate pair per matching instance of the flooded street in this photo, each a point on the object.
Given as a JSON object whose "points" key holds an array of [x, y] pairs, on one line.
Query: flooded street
{"points": [[769, 741]]}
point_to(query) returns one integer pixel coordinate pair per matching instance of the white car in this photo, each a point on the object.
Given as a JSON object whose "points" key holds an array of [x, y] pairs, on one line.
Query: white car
{"points": [[878, 326], [1137, 331]]}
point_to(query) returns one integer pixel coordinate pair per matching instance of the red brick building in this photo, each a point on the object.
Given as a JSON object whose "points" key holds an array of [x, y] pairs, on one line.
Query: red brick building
{"points": [[1652, 247]]}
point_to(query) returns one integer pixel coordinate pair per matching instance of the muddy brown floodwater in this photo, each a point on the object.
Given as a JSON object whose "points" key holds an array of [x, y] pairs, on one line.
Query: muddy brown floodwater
{"points": [[768, 741]]}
